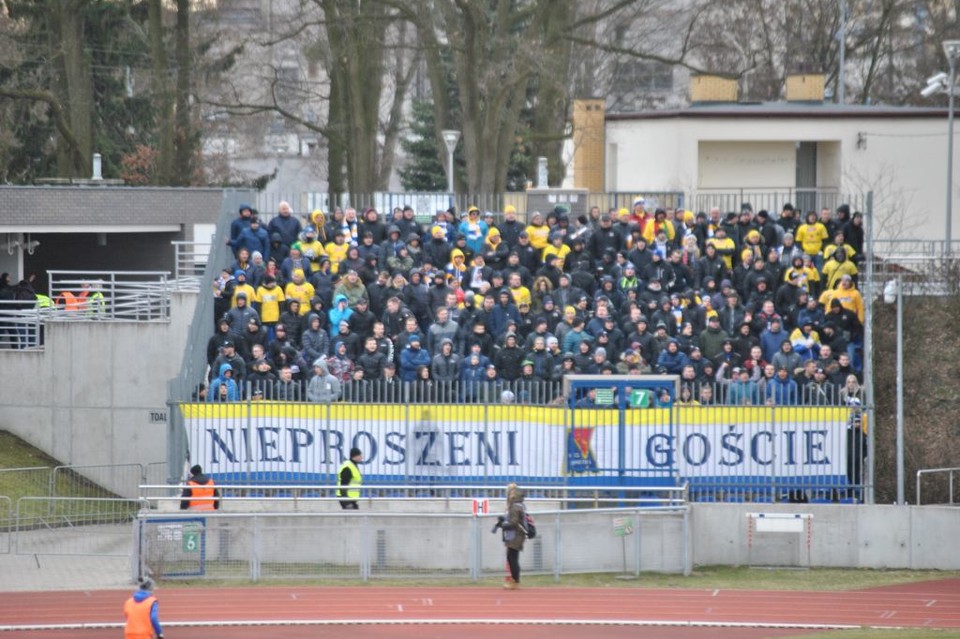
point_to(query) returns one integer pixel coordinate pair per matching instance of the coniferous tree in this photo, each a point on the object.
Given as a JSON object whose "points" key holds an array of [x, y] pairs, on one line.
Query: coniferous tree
{"points": [[423, 171]]}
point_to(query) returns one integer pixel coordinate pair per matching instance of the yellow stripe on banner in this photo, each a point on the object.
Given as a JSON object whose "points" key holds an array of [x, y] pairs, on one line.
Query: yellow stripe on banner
{"points": [[516, 414], [440, 413]]}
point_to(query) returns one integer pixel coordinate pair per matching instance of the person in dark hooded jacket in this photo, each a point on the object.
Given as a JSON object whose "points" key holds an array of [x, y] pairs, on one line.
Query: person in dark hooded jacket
{"points": [[200, 493], [278, 250], [315, 341]]}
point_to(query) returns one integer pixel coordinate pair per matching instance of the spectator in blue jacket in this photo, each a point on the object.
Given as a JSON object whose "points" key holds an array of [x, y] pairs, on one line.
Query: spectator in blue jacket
{"points": [[223, 388], [741, 390], [253, 238], [672, 360], [502, 312], [472, 374], [245, 213], [286, 224], [782, 390], [412, 357], [771, 339]]}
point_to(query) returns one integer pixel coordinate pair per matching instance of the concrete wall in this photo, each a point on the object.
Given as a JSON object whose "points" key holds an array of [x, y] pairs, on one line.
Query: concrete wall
{"points": [[93, 395], [841, 536]]}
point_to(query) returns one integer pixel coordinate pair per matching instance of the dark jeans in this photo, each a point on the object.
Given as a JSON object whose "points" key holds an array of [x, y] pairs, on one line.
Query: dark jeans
{"points": [[513, 562], [349, 505]]}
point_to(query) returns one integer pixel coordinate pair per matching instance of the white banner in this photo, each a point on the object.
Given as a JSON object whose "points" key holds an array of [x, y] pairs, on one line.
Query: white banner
{"points": [[538, 444]]}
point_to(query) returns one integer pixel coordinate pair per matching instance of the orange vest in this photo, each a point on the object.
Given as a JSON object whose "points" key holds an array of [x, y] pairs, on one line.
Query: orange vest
{"points": [[138, 618], [70, 301], [201, 495]]}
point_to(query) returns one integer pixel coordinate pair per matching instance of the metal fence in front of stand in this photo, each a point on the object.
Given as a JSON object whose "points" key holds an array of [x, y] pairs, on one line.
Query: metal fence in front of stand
{"points": [[366, 545]]}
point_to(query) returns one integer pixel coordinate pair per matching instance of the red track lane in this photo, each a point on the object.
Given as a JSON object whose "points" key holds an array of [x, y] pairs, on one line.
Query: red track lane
{"points": [[932, 604], [439, 631]]}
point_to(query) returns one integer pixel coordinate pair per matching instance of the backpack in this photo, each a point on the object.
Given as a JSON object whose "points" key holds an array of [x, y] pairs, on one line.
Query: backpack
{"points": [[528, 526]]}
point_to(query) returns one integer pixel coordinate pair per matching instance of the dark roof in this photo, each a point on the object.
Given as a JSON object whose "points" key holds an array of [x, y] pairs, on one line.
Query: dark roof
{"points": [[103, 205], [785, 110]]}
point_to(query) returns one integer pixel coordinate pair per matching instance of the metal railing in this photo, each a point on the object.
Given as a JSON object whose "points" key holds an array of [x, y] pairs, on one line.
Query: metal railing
{"points": [[91, 481], [292, 494], [427, 205], [21, 325], [519, 392], [772, 199], [74, 526], [368, 546], [190, 263], [927, 472], [140, 296], [7, 524]]}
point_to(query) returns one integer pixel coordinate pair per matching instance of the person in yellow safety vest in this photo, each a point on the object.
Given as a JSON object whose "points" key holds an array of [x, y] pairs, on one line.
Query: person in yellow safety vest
{"points": [[350, 476], [94, 303], [142, 612], [200, 493]]}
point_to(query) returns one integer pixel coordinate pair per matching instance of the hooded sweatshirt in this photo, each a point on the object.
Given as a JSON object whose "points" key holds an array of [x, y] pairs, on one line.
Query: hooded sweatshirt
{"points": [[323, 388]]}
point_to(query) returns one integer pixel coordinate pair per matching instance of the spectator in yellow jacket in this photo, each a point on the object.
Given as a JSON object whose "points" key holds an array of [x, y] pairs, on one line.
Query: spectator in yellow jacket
{"points": [[658, 223], [538, 232], [337, 251], [724, 245], [847, 294], [556, 247], [299, 289], [811, 236], [836, 266]]}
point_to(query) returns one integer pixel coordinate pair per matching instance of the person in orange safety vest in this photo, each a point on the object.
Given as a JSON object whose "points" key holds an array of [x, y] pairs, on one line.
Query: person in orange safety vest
{"points": [[142, 611], [200, 493]]}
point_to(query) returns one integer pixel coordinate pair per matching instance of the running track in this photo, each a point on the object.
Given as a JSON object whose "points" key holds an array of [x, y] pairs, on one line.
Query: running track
{"points": [[476, 612]]}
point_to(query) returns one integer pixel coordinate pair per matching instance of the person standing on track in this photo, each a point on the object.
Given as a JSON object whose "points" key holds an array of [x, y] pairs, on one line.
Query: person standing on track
{"points": [[514, 533], [142, 612], [350, 478]]}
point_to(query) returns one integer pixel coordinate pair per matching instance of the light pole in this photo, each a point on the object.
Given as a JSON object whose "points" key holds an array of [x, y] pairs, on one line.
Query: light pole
{"points": [[893, 293], [952, 50], [450, 138], [946, 83]]}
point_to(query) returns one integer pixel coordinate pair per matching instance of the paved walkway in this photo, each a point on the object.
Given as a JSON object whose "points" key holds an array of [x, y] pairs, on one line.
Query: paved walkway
{"points": [[57, 572]]}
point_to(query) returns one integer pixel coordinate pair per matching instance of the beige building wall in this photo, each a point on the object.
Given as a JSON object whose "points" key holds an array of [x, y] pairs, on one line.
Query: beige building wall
{"points": [[750, 164], [589, 144], [901, 159]]}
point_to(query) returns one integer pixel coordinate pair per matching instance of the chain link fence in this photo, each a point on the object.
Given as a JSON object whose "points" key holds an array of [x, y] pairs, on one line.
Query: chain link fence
{"points": [[420, 545], [74, 526]]}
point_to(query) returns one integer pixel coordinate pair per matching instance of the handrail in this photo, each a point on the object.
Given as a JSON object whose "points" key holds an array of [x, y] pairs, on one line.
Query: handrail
{"points": [[672, 496], [930, 471]]}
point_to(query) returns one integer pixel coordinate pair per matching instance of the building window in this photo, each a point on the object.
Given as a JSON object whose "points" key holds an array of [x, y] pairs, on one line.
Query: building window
{"points": [[645, 75]]}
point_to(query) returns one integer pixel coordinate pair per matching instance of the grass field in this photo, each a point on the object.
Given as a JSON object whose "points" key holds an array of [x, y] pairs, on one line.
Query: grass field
{"points": [[26, 471]]}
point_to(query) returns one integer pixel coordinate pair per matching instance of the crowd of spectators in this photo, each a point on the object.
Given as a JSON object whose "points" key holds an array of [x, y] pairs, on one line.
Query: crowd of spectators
{"points": [[747, 308]]}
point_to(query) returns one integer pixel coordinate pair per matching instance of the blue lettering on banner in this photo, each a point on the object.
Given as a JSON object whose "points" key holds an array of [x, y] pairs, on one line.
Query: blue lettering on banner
{"points": [[660, 451], [696, 441], [394, 444], [731, 444]]}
